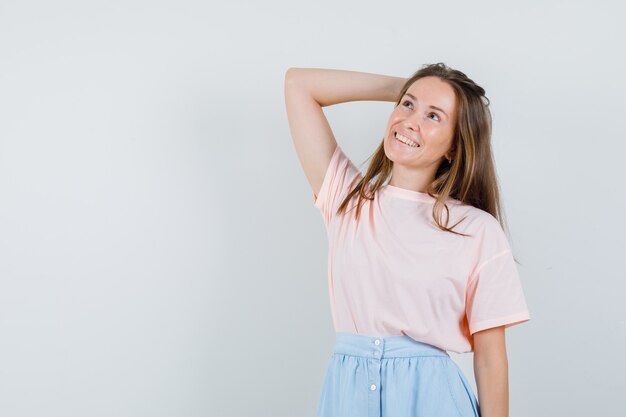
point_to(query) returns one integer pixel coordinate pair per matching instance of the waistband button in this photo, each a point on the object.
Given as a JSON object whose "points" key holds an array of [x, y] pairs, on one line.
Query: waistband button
{"points": [[377, 342]]}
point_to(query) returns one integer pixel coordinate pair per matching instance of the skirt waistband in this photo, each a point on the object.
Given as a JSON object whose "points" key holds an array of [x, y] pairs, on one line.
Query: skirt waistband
{"points": [[379, 347]]}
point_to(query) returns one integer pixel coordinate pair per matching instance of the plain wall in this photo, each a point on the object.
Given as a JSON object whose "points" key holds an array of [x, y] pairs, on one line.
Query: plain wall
{"points": [[160, 254]]}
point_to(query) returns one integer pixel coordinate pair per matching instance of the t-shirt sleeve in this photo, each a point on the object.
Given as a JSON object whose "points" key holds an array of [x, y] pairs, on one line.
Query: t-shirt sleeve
{"points": [[495, 296], [339, 177]]}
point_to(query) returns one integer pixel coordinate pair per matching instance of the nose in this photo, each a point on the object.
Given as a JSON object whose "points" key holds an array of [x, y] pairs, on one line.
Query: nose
{"points": [[412, 123]]}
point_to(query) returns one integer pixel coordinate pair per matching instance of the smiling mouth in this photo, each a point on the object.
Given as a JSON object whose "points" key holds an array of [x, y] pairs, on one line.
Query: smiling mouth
{"points": [[406, 141]]}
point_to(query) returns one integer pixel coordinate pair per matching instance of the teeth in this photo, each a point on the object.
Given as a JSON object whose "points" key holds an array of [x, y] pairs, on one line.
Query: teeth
{"points": [[406, 140]]}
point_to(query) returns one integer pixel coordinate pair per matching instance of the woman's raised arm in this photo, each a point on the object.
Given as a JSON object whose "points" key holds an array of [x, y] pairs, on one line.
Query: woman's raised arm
{"points": [[307, 90]]}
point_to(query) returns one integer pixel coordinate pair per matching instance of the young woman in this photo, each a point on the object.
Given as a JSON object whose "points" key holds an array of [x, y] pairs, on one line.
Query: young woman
{"points": [[419, 263]]}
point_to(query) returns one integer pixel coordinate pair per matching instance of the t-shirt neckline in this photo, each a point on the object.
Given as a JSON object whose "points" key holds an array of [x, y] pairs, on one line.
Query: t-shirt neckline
{"points": [[406, 194]]}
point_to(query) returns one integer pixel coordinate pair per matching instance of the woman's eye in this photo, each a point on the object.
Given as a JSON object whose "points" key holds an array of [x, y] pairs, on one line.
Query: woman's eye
{"points": [[407, 103], [435, 114]]}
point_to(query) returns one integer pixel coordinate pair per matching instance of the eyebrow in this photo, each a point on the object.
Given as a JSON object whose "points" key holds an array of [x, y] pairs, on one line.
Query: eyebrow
{"points": [[431, 106]]}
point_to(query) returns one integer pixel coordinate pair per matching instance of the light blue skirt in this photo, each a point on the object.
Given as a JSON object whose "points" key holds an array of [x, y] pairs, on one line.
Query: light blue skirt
{"points": [[393, 376]]}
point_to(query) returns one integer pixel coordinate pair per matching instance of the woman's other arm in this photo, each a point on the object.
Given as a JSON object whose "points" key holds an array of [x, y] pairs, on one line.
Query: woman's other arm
{"points": [[491, 370], [307, 90]]}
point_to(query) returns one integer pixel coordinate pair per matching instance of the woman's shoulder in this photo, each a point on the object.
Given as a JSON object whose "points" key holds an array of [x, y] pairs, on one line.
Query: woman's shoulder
{"points": [[476, 219]]}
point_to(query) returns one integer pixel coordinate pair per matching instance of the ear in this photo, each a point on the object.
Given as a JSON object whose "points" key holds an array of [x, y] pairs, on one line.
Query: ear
{"points": [[450, 153]]}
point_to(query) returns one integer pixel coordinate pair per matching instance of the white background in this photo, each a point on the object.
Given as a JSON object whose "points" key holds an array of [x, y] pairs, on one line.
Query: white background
{"points": [[160, 254]]}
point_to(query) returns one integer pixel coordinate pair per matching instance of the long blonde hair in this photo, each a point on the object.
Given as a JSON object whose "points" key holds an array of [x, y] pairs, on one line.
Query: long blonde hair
{"points": [[470, 177]]}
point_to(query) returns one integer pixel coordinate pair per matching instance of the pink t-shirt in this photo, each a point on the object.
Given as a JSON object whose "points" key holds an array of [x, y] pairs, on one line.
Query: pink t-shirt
{"points": [[395, 273]]}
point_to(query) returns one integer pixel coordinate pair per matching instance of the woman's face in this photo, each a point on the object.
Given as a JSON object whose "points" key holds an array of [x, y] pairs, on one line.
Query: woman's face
{"points": [[426, 115]]}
